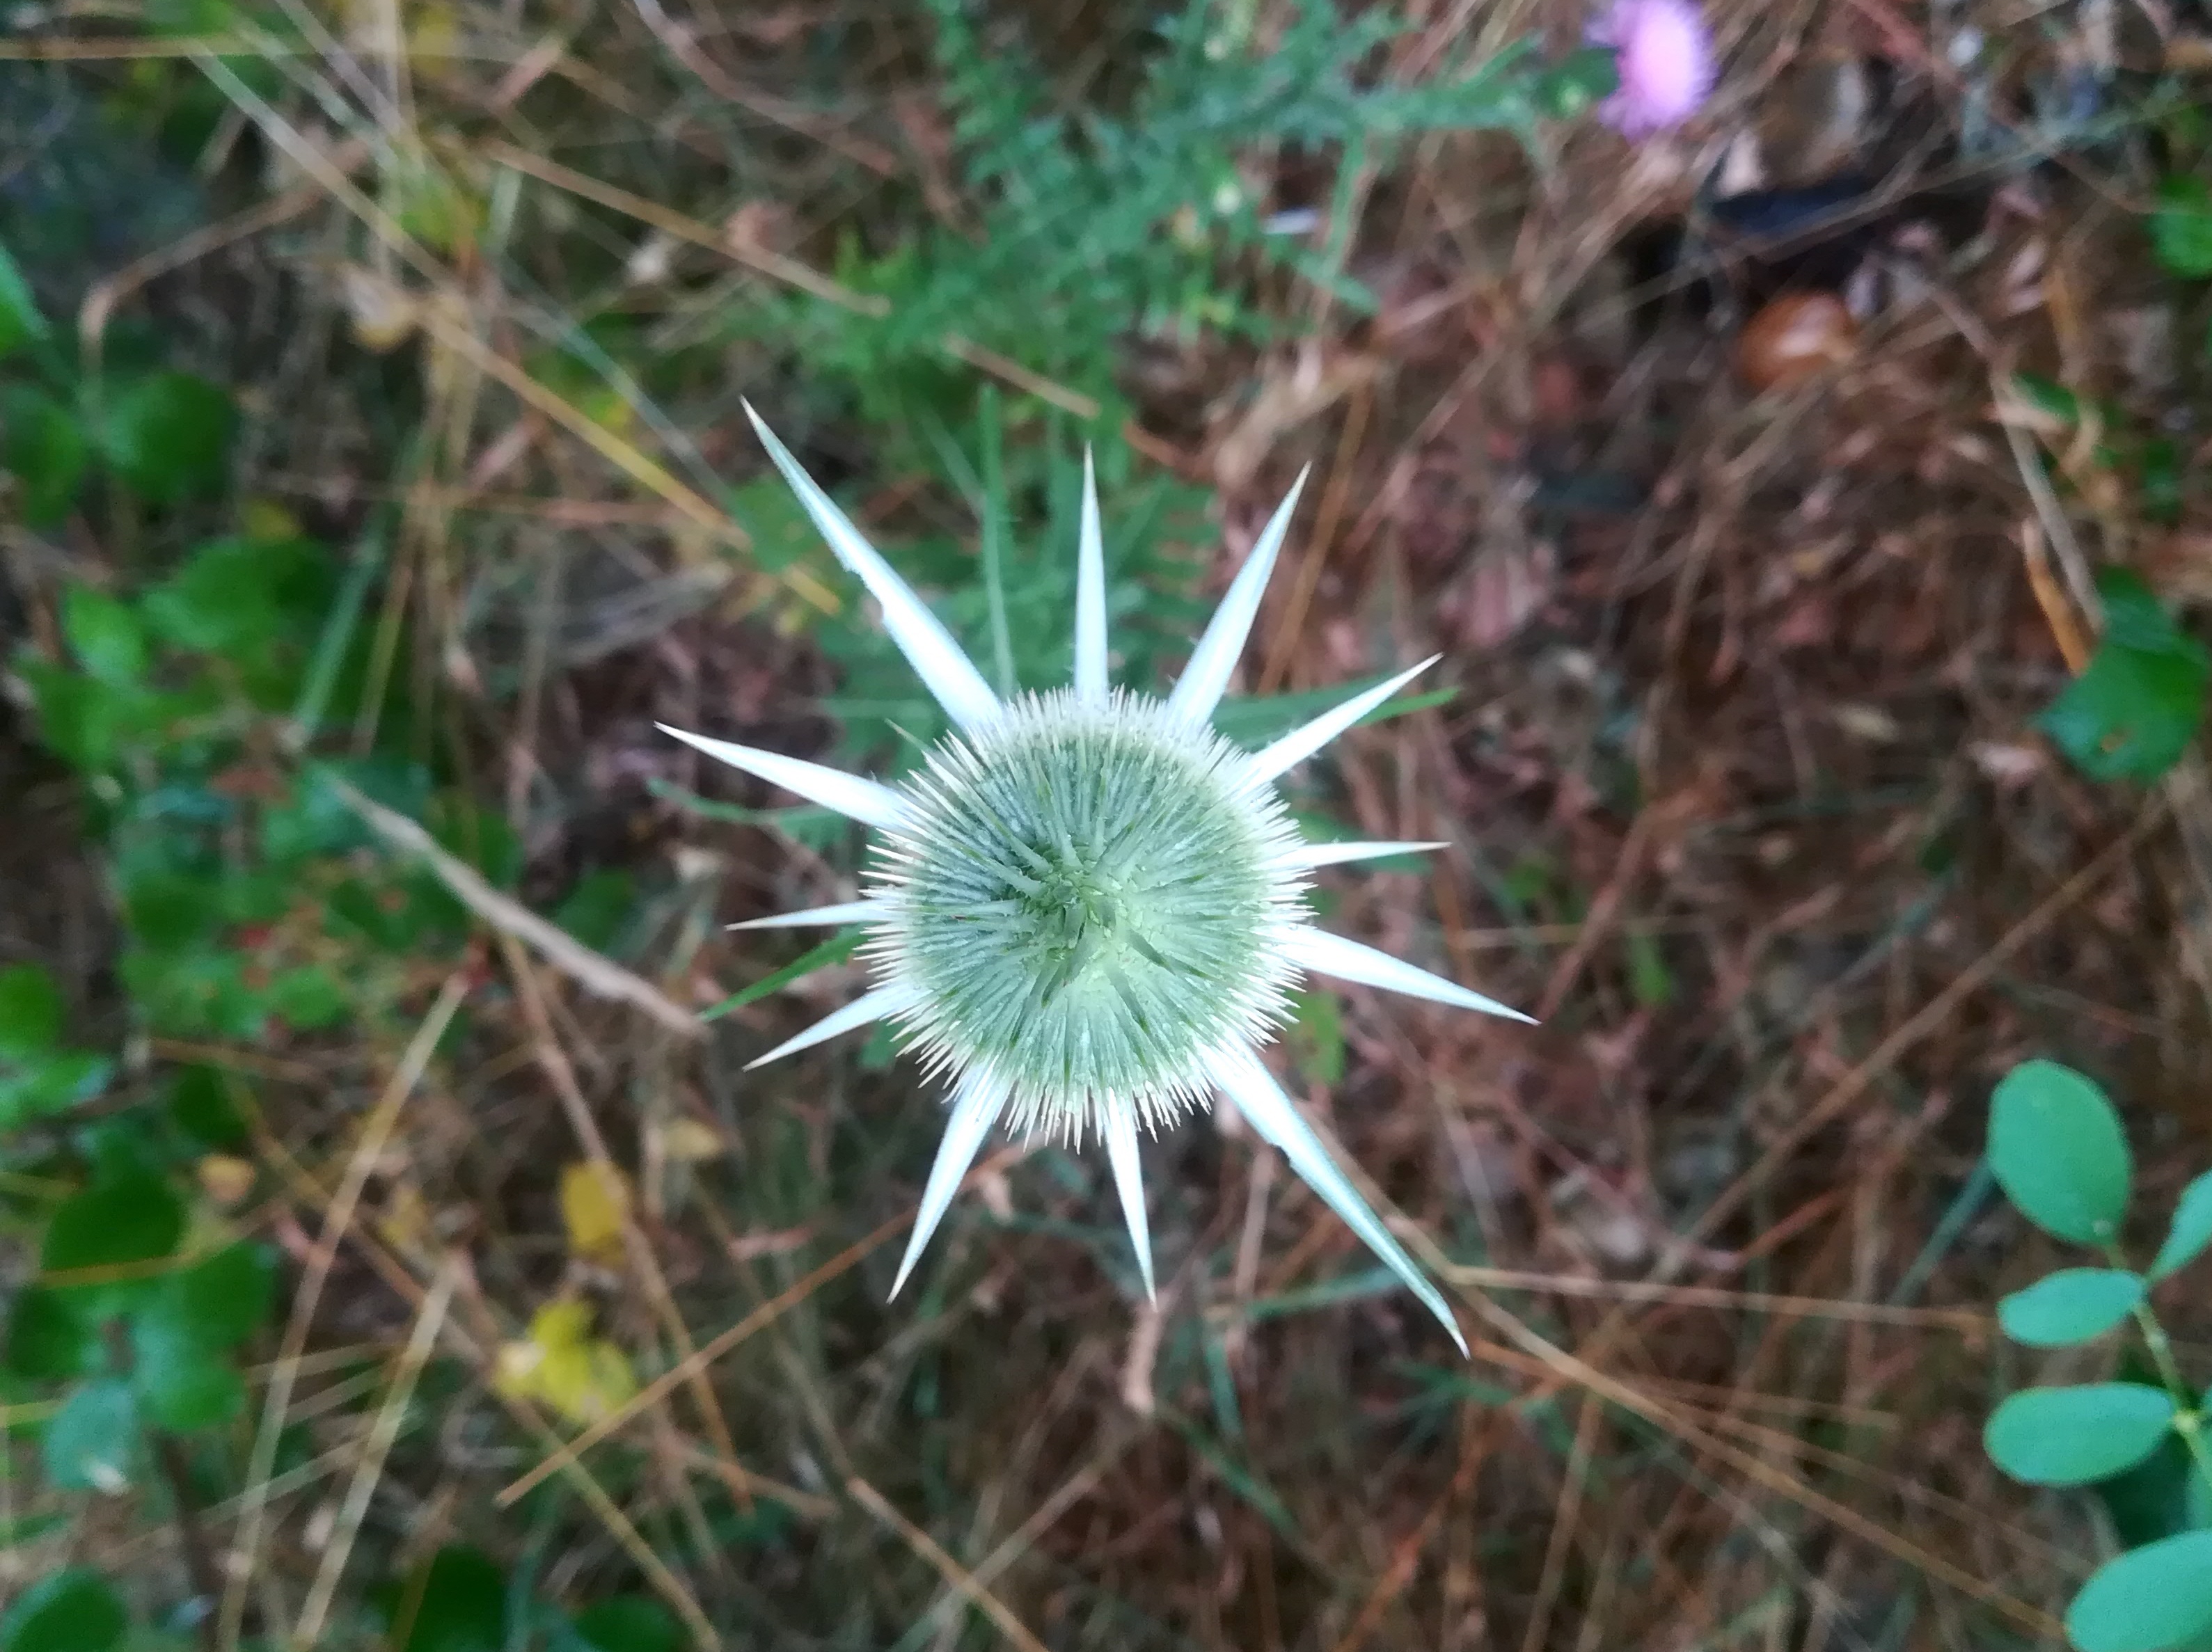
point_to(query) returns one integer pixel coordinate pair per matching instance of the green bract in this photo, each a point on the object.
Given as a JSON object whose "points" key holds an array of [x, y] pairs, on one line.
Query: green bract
{"points": [[1087, 910]]}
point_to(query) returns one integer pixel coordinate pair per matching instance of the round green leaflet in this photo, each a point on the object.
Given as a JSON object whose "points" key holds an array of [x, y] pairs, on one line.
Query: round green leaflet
{"points": [[2074, 1304], [2057, 1150], [2148, 1600], [2072, 1436], [69, 1611], [2191, 1229]]}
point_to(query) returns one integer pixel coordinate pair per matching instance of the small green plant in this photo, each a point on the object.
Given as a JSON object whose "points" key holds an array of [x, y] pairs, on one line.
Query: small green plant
{"points": [[1138, 216], [165, 436], [2056, 1149], [2135, 711]]}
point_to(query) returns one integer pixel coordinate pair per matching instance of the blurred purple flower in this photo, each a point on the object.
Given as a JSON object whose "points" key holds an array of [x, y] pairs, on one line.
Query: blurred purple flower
{"points": [[1666, 64]]}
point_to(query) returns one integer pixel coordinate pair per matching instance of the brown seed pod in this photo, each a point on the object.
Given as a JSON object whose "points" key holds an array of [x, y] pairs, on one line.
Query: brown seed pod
{"points": [[1796, 338]]}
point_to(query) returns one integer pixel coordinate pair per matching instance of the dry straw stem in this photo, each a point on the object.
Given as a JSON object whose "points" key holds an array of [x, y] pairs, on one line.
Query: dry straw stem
{"points": [[593, 971], [384, 1429], [788, 270], [337, 1218], [955, 1575], [555, 1063], [766, 1314], [479, 1349]]}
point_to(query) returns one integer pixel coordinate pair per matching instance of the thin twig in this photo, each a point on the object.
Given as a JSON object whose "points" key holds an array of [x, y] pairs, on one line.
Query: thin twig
{"points": [[593, 971]]}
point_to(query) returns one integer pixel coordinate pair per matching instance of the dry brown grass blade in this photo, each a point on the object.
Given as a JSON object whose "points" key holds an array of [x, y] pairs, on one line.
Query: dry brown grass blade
{"points": [[1936, 1013], [553, 1060], [790, 272], [593, 972], [480, 1349], [1475, 1445], [955, 1575], [798, 1291], [376, 1130], [102, 298], [1757, 1468], [383, 1430], [1964, 1320], [782, 1302], [1564, 1516], [775, 265]]}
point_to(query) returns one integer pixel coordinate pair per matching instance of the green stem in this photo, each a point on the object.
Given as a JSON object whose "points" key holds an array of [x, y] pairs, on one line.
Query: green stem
{"points": [[2188, 1419], [994, 539]]}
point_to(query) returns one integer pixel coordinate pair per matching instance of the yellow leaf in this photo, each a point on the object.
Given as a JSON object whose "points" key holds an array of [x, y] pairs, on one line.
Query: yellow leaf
{"points": [[562, 1365], [594, 1199], [224, 1179], [267, 521], [406, 1220], [687, 1141], [383, 314]]}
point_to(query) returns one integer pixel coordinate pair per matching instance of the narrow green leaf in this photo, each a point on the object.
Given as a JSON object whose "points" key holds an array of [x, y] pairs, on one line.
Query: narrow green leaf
{"points": [[73, 1610], [19, 320], [105, 635], [2190, 1232], [1252, 723], [2181, 227], [2072, 1436], [92, 1443], [30, 1013], [2148, 1600], [2056, 1149], [835, 950], [2075, 1304], [44, 447]]}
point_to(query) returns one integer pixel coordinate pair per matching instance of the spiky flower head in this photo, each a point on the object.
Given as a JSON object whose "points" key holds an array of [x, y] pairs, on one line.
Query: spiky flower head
{"points": [[1086, 910], [1664, 57]]}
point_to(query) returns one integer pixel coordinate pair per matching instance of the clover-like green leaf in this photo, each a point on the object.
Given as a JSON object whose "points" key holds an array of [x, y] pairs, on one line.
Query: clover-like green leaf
{"points": [[2056, 1148], [2075, 1435], [102, 1232], [629, 1623], [44, 447], [459, 1602], [19, 320], [93, 1442], [2149, 1600], [2190, 1232], [183, 1378], [2074, 1304], [2136, 708]]}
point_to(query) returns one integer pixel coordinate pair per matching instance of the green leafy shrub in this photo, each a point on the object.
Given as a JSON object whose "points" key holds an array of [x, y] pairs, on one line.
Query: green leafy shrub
{"points": [[2056, 1149]]}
